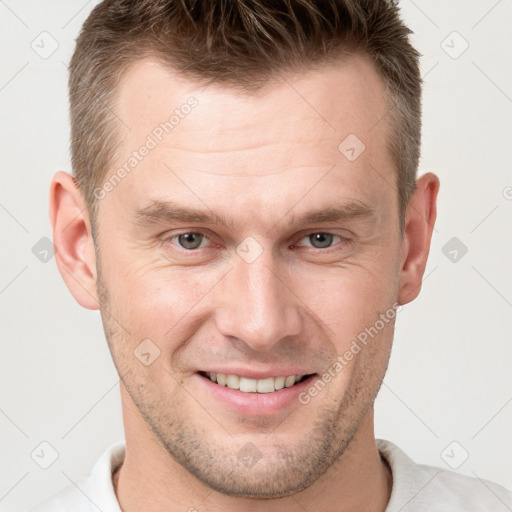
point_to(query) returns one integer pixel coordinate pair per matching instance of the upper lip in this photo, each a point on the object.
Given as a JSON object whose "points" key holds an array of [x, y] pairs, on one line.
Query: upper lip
{"points": [[259, 374]]}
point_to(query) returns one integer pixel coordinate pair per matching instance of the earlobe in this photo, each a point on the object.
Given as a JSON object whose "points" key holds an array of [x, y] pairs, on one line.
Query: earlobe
{"points": [[72, 237], [419, 225]]}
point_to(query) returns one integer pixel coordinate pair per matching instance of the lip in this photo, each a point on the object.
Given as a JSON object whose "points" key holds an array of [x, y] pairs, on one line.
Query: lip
{"points": [[263, 374], [255, 404]]}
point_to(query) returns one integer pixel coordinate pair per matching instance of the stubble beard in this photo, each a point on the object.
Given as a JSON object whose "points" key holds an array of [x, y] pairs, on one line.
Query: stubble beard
{"points": [[281, 471]]}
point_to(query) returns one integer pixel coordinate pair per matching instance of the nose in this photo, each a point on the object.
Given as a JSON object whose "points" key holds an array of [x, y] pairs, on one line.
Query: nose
{"points": [[258, 305]]}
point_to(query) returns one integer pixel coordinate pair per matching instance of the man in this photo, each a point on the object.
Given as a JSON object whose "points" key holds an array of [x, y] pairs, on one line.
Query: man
{"points": [[244, 211]]}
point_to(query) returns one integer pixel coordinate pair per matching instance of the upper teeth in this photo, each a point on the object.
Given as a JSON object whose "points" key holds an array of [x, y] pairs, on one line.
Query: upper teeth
{"points": [[254, 385]]}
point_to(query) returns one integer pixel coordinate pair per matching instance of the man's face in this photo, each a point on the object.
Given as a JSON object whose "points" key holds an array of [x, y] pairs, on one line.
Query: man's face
{"points": [[267, 293]]}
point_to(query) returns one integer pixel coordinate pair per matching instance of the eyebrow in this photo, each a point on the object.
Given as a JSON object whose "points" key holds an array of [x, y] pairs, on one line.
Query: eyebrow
{"points": [[169, 212]]}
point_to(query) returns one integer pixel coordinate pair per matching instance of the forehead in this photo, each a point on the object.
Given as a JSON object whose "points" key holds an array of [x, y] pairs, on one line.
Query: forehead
{"points": [[273, 144], [331, 100]]}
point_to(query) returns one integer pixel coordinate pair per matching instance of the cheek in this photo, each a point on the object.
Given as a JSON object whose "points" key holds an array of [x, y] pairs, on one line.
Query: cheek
{"points": [[159, 302], [357, 314], [351, 298]]}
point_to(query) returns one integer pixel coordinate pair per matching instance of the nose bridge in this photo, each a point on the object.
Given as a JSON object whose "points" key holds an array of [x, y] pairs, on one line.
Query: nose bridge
{"points": [[257, 307]]}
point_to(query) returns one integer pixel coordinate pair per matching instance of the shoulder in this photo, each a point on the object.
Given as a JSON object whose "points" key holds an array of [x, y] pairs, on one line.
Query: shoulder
{"points": [[421, 488], [92, 493]]}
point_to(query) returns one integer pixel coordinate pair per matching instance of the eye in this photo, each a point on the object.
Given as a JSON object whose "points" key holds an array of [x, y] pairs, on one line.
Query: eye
{"points": [[193, 240], [322, 240], [190, 240]]}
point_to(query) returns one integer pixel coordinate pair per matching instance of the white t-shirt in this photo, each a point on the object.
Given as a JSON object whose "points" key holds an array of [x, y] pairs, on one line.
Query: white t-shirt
{"points": [[416, 487]]}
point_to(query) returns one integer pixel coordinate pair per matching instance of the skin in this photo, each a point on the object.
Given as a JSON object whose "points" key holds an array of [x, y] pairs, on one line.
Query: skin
{"points": [[259, 160]]}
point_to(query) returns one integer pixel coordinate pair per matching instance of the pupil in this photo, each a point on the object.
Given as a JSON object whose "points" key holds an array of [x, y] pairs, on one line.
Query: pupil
{"points": [[189, 241], [323, 239]]}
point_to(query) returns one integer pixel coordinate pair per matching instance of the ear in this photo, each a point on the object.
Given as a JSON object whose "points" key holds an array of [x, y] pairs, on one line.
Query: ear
{"points": [[420, 218], [72, 237]]}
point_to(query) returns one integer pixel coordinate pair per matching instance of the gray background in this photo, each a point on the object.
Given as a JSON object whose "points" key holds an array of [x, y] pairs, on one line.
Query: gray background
{"points": [[448, 392]]}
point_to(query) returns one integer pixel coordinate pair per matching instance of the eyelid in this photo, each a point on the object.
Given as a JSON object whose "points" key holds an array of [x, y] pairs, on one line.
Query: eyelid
{"points": [[169, 237], [309, 233]]}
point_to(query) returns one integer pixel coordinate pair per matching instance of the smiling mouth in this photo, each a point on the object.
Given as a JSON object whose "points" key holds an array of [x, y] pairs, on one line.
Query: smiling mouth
{"points": [[247, 385]]}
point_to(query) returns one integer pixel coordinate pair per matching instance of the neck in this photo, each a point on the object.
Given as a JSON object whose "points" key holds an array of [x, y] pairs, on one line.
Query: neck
{"points": [[151, 480]]}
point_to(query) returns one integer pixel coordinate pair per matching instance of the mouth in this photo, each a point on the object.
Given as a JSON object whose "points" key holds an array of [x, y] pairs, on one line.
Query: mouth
{"points": [[249, 397], [257, 386]]}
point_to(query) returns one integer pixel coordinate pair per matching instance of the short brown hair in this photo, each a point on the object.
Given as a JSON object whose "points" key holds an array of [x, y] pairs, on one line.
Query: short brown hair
{"points": [[241, 43]]}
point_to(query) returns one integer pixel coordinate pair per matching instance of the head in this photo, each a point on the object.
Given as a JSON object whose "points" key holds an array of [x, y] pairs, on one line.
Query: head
{"points": [[245, 196]]}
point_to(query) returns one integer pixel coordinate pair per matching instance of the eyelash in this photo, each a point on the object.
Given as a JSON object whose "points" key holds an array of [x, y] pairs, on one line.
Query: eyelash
{"points": [[205, 235]]}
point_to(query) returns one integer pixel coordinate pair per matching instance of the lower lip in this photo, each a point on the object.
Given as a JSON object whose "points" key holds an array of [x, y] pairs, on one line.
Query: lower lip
{"points": [[255, 404]]}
